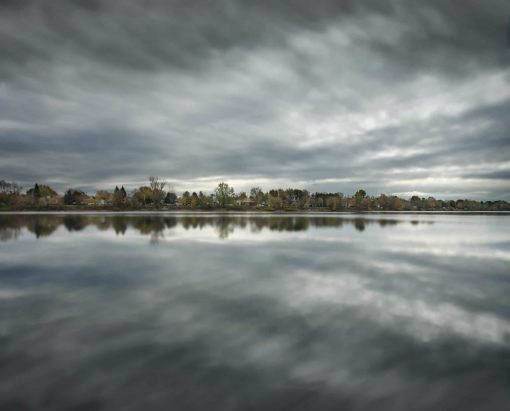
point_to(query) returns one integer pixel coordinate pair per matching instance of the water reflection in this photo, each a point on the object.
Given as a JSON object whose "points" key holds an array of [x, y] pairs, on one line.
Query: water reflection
{"points": [[252, 312], [155, 225]]}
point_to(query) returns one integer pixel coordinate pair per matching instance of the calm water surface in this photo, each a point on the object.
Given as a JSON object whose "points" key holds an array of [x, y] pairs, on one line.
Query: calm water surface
{"points": [[166, 312]]}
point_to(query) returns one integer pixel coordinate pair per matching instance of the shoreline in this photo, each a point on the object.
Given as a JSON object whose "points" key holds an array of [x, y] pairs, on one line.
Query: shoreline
{"points": [[246, 212]]}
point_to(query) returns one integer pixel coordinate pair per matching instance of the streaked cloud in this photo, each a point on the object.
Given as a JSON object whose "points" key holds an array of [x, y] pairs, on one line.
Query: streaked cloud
{"points": [[397, 97]]}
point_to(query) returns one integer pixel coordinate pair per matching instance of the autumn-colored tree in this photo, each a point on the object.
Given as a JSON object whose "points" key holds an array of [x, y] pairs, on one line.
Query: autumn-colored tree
{"points": [[143, 195], [41, 191], [241, 198], [103, 197], [185, 199], [395, 203], [194, 200]]}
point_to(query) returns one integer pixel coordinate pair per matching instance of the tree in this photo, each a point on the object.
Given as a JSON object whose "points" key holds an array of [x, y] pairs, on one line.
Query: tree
{"points": [[157, 188], [36, 193], [358, 198], [333, 203], [9, 188], [201, 199], [119, 197], [257, 195], [360, 193], [143, 195], [170, 198], [103, 197], [224, 194], [68, 197], [40, 194], [194, 200], [395, 203], [74, 197], [430, 203], [41, 191], [382, 202], [185, 199]]}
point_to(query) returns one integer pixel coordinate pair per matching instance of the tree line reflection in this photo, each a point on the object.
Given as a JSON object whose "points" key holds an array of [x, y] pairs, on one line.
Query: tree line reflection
{"points": [[11, 226]]}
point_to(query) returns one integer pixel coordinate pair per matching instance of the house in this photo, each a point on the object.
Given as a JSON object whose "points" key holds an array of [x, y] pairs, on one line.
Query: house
{"points": [[246, 202]]}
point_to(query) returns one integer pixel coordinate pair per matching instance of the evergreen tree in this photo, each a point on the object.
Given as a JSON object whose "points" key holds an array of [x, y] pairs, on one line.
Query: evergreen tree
{"points": [[68, 197], [118, 198], [37, 191]]}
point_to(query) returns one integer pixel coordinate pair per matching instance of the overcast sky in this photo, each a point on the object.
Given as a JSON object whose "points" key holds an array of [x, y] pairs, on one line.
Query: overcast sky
{"points": [[392, 96]]}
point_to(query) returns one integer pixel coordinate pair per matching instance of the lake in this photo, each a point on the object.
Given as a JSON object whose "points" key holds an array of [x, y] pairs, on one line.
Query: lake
{"points": [[254, 312]]}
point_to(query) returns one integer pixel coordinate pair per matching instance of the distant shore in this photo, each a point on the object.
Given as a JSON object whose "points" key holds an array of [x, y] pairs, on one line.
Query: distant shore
{"points": [[246, 212], [224, 199]]}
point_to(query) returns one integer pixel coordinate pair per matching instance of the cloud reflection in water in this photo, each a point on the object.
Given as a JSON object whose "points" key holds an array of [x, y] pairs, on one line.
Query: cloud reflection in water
{"points": [[254, 312]]}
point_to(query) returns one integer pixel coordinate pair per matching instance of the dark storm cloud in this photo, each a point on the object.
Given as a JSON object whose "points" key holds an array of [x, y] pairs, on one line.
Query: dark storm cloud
{"points": [[395, 96], [152, 35]]}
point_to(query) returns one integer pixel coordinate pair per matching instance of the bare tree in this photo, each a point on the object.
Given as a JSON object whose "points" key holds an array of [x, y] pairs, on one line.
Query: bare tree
{"points": [[157, 186], [9, 188]]}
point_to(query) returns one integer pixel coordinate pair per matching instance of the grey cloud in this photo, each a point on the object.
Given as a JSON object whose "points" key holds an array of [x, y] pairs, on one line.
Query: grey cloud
{"points": [[496, 175], [129, 35], [95, 92]]}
